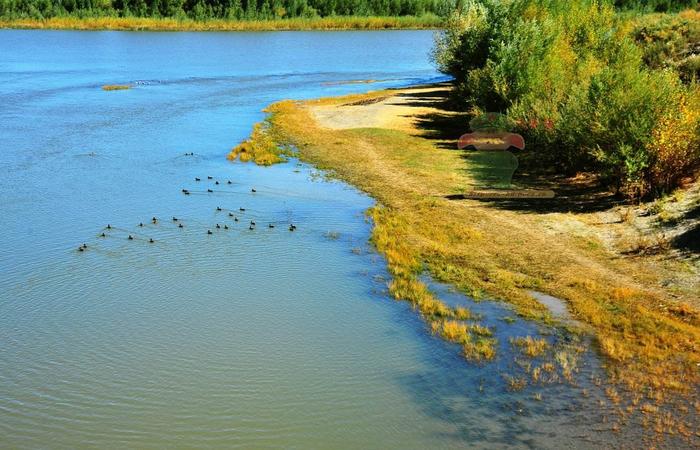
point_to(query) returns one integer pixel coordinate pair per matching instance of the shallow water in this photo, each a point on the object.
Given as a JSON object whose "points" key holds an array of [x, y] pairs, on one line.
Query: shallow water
{"points": [[247, 338]]}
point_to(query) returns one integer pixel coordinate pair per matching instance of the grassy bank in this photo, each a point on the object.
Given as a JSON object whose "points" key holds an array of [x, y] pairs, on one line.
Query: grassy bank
{"points": [[646, 331], [171, 24]]}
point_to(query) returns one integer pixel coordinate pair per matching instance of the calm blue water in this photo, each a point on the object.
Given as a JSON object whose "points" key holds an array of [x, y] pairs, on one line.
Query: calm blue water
{"points": [[250, 338]]}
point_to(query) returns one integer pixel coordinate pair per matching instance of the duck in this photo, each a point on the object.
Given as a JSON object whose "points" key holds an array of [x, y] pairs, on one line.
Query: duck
{"points": [[218, 226], [241, 209], [175, 219], [103, 235], [141, 224], [271, 226], [209, 232], [218, 208], [253, 190], [229, 182], [181, 226], [209, 190], [131, 238], [187, 192], [251, 227], [235, 219], [151, 241], [292, 227], [225, 227], [216, 182], [81, 249], [197, 179], [210, 178], [109, 227], [230, 214], [154, 219], [84, 246], [252, 223]]}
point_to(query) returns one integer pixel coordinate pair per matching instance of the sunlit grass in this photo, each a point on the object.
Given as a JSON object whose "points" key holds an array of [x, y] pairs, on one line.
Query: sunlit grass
{"points": [[648, 338], [532, 347], [171, 24]]}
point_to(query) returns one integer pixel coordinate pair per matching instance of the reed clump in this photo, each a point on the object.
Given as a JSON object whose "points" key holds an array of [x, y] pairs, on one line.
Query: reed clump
{"points": [[529, 346], [260, 148], [116, 87]]}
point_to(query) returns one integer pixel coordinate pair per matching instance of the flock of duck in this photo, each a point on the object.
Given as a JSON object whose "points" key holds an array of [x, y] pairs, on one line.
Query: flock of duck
{"points": [[154, 220]]}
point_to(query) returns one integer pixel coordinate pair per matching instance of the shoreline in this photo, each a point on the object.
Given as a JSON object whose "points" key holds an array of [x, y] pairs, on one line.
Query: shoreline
{"points": [[339, 23], [397, 146]]}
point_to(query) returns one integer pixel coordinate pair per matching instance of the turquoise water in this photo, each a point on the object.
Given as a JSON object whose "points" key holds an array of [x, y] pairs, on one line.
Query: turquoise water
{"points": [[249, 338]]}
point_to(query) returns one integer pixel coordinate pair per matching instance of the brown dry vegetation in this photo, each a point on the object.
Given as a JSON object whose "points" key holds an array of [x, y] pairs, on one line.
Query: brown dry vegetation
{"points": [[648, 335]]}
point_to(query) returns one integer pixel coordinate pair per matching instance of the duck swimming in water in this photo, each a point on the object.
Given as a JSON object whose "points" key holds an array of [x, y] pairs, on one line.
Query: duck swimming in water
{"points": [[225, 227], [216, 182], [197, 179], [209, 232], [209, 190], [251, 227], [218, 226], [252, 223], [241, 209], [131, 238], [103, 235], [253, 190], [218, 208], [210, 178], [141, 224], [235, 219], [109, 227], [271, 226], [230, 214], [154, 220], [229, 182], [151, 241], [181, 226]]}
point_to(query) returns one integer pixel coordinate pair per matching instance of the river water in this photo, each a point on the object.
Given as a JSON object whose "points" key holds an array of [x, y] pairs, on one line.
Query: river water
{"points": [[252, 338]]}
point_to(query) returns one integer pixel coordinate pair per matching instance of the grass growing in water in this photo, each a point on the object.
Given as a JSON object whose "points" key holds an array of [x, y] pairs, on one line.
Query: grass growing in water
{"points": [[649, 346], [115, 87]]}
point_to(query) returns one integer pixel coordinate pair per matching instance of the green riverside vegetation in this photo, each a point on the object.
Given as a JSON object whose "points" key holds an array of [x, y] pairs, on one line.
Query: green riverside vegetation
{"points": [[201, 10], [590, 88]]}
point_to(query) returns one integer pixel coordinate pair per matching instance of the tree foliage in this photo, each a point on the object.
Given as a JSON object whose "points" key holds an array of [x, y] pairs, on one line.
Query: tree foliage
{"points": [[223, 9]]}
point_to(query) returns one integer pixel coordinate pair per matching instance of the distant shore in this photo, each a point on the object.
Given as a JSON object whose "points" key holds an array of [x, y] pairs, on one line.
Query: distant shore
{"points": [[172, 24]]}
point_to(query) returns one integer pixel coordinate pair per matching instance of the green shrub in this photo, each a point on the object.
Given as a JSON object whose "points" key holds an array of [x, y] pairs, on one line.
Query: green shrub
{"points": [[571, 77]]}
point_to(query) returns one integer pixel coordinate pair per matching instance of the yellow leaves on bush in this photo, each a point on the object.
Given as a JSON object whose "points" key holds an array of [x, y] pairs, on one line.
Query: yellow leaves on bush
{"points": [[676, 141]]}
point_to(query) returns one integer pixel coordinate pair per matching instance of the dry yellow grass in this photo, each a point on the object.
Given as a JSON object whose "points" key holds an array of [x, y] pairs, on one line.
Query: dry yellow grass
{"points": [[115, 87], [649, 342], [171, 24], [530, 346]]}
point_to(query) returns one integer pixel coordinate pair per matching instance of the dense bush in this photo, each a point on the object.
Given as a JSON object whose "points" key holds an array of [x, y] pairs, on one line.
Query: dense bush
{"points": [[224, 9], [570, 75]]}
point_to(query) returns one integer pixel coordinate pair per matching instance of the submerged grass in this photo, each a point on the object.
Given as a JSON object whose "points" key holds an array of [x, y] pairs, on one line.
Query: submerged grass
{"points": [[172, 24], [649, 346]]}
